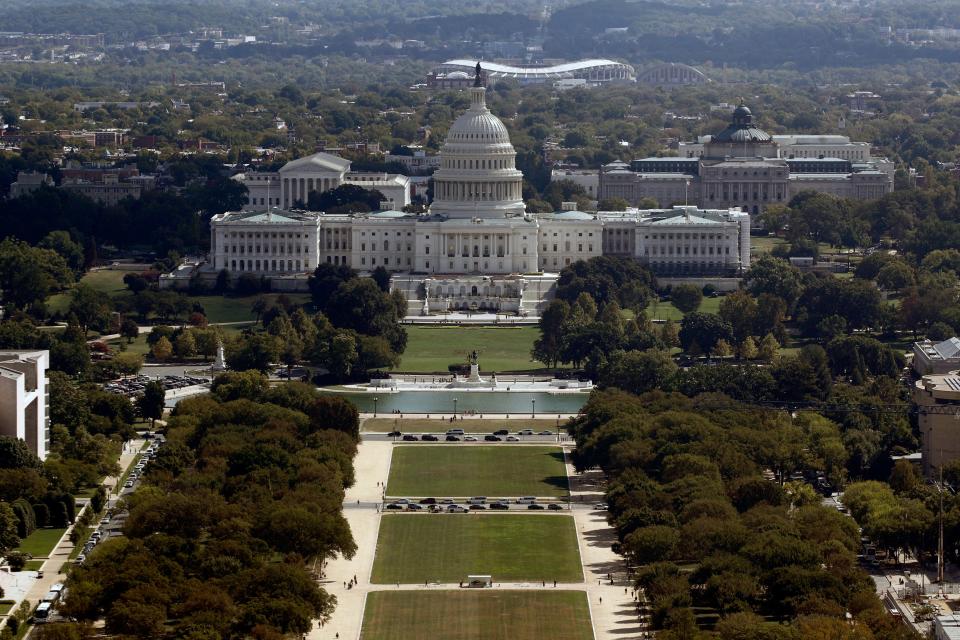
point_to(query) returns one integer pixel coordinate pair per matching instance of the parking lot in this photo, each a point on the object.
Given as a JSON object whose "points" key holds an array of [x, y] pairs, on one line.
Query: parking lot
{"points": [[458, 435], [479, 503], [136, 384]]}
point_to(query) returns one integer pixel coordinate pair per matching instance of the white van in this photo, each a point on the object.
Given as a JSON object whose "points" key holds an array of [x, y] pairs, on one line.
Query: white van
{"points": [[526, 500], [454, 432], [477, 500]]}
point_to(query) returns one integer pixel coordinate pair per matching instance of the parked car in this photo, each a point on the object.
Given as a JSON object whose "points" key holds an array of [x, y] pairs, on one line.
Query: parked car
{"points": [[478, 507], [414, 507], [513, 439], [394, 434], [395, 506], [448, 501], [492, 438], [469, 439], [545, 432], [402, 501], [410, 438], [500, 506], [526, 500], [454, 432], [434, 508], [525, 432], [501, 432], [452, 439], [537, 507], [600, 506], [429, 501], [429, 438], [456, 508], [553, 506]]}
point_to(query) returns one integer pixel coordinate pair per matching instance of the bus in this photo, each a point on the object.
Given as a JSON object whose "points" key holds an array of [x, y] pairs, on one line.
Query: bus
{"points": [[42, 612]]}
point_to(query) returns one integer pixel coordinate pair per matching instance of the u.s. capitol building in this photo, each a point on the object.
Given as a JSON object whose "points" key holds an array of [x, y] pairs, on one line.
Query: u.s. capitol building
{"points": [[476, 248]]}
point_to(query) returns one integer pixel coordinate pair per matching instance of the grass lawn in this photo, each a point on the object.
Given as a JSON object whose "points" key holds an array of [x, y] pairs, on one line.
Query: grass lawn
{"points": [[666, 310], [447, 547], [477, 615], [106, 280], [33, 565], [432, 349], [5, 608], [470, 425], [453, 470], [764, 244], [41, 542]]}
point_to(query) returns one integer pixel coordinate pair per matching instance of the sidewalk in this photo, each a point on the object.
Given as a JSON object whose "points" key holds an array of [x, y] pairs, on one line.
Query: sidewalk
{"points": [[372, 466], [612, 608]]}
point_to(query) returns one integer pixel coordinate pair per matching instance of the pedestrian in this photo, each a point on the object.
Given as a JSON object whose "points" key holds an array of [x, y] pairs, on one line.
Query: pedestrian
{"points": [[355, 579], [601, 599], [554, 584], [624, 590]]}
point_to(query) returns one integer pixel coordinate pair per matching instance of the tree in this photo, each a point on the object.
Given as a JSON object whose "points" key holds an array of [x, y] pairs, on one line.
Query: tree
{"points": [[329, 412], [347, 198], [325, 280], [613, 204], [740, 310], [748, 348], [546, 348], [894, 276], [638, 371], [686, 297], [161, 350], [129, 330], [670, 334], [342, 355], [91, 307], [701, 331], [61, 243], [28, 275], [382, 277], [15, 454], [151, 403], [769, 347], [8, 528], [776, 277], [185, 346], [721, 349], [253, 351], [135, 282]]}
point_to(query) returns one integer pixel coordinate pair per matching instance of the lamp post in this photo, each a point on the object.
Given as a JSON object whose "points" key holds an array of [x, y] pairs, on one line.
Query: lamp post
{"points": [[533, 407], [375, 398], [454, 408]]}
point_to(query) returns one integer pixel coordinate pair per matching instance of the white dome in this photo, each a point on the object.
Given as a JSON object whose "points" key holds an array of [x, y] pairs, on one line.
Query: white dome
{"points": [[478, 126], [478, 177]]}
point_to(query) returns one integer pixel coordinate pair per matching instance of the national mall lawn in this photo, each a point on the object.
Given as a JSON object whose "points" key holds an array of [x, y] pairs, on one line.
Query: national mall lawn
{"points": [[503, 470], [414, 548], [477, 615]]}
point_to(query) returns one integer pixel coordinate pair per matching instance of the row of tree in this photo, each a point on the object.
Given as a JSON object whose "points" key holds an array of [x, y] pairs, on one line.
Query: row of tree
{"points": [[715, 543], [237, 513]]}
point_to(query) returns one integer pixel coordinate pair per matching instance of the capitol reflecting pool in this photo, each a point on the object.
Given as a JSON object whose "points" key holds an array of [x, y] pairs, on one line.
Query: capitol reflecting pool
{"points": [[518, 402]]}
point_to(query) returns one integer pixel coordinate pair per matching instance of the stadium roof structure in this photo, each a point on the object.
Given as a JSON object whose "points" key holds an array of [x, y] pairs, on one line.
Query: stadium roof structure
{"points": [[595, 70]]}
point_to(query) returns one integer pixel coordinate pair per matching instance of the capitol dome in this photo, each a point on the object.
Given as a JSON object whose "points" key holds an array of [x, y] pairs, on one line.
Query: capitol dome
{"points": [[478, 177]]}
